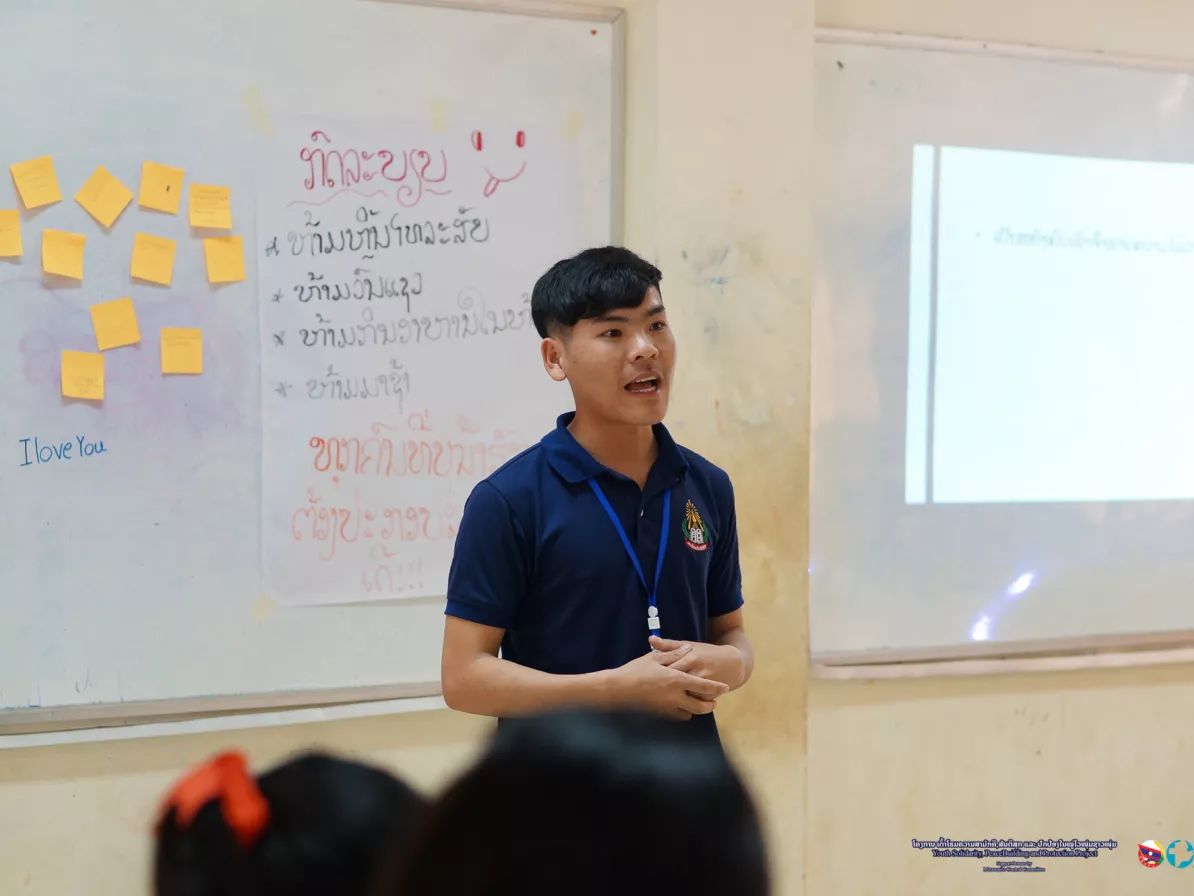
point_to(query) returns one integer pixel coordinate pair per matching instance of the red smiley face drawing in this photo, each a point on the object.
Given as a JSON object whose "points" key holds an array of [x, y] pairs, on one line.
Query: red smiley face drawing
{"points": [[491, 185]]}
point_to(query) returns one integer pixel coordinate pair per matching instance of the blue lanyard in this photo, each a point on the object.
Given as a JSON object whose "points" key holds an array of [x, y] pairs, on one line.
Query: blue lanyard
{"points": [[653, 623]]}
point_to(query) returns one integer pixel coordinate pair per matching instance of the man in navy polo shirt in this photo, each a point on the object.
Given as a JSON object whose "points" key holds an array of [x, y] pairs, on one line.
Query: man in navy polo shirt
{"points": [[602, 562]]}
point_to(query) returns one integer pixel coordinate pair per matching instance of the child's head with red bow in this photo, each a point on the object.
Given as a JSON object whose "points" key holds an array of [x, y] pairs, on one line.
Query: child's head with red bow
{"points": [[314, 826]]}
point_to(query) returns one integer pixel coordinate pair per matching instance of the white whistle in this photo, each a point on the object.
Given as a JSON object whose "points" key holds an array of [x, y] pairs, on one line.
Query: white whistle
{"points": [[653, 623]]}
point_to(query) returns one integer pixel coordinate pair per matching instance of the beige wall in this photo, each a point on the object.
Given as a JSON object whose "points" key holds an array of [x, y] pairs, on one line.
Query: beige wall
{"points": [[1080, 755], [709, 82], [719, 109]]}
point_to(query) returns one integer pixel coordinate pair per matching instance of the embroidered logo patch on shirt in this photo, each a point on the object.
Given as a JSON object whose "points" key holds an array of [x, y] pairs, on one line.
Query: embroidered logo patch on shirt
{"points": [[696, 535]]}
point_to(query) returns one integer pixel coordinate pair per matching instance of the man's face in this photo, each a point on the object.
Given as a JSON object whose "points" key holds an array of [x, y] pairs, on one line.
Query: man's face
{"points": [[620, 364]]}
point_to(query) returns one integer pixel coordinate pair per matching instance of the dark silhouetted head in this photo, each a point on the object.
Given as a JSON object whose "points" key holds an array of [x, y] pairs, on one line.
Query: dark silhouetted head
{"points": [[590, 804]]}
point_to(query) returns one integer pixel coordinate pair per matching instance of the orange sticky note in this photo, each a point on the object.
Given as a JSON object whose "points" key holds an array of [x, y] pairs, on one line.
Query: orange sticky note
{"points": [[103, 196], [211, 207], [182, 350], [36, 182], [225, 259], [161, 187], [115, 324], [10, 234], [83, 375], [62, 253], [153, 258]]}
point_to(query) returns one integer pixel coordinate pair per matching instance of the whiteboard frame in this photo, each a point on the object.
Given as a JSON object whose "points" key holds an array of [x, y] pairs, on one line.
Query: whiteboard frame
{"points": [[103, 715], [1005, 665], [547, 9], [987, 658], [180, 715], [212, 724], [896, 40]]}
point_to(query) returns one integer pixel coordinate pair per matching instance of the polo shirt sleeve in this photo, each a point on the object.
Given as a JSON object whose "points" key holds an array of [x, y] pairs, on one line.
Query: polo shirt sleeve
{"points": [[725, 573], [488, 575]]}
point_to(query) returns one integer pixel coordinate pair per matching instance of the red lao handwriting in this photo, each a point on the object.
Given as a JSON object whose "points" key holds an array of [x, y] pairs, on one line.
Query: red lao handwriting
{"points": [[331, 526], [394, 578], [416, 171], [421, 452]]}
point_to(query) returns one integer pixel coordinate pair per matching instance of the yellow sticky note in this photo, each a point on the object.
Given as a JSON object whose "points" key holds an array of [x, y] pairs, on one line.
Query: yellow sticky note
{"points": [[62, 253], [182, 350], [115, 324], [153, 258], [10, 234], [225, 259], [83, 375], [161, 187], [104, 196], [211, 207], [36, 182]]}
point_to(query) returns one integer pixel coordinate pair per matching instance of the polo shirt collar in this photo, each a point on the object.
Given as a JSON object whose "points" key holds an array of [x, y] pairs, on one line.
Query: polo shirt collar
{"points": [[575, 464]]}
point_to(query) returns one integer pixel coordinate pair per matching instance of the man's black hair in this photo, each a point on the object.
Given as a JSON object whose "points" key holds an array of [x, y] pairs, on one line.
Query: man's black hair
{"points": [[589, 285]]}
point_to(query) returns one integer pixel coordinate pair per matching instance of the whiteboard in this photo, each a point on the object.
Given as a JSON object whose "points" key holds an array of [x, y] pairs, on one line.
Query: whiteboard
{"points": [[133, 578], [1003, 214], [395, 315]]}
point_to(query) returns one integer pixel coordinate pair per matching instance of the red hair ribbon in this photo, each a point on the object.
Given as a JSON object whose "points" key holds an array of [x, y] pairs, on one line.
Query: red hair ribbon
{"points": [[245, 808]]}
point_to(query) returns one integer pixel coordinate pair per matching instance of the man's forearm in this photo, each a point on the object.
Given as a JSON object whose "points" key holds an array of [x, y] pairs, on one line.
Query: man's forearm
{"points": [[491, 686], [736, 638]]}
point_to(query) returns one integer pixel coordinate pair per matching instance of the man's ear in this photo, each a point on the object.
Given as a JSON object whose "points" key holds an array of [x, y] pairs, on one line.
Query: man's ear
{"points": [[553, 358]]}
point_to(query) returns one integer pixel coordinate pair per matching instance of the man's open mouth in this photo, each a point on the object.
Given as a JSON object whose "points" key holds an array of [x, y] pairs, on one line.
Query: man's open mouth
{"points": [[645, 385]]}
